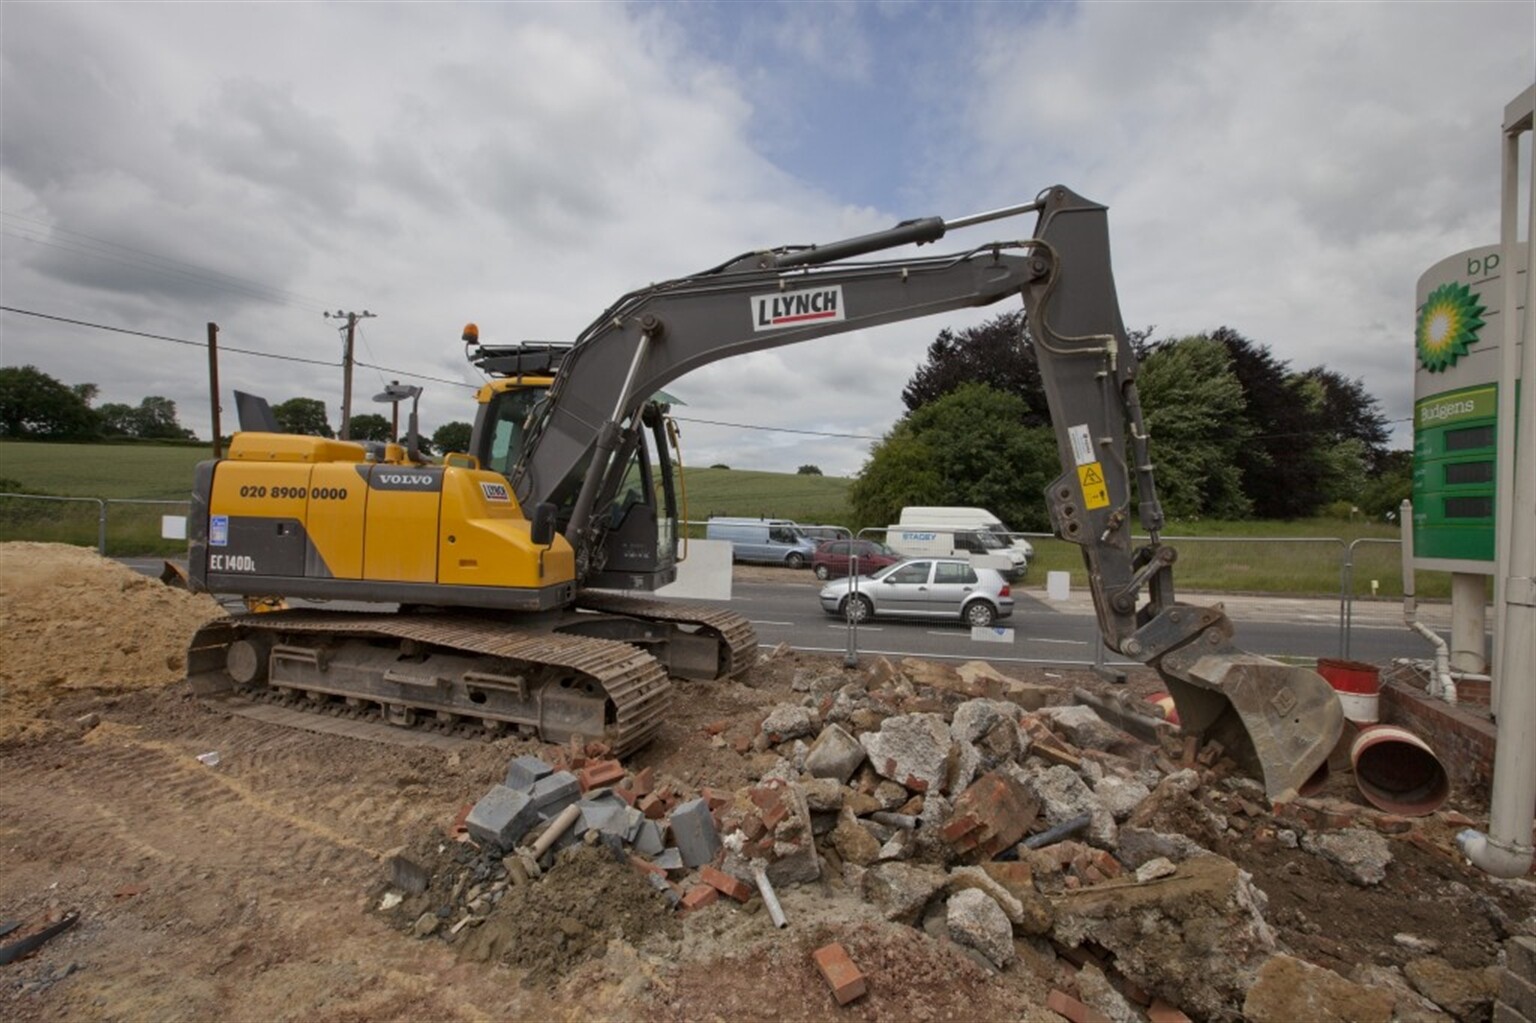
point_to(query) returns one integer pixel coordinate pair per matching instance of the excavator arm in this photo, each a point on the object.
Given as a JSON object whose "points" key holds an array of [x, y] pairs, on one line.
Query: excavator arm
{"points": [[1281, 720]]}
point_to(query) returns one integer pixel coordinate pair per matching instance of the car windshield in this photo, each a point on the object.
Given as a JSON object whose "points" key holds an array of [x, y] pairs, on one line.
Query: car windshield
{"points": [[989, 541]]}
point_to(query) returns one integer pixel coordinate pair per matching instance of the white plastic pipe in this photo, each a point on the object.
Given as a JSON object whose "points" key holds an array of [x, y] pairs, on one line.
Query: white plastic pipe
{"points": [[1441, 686]]}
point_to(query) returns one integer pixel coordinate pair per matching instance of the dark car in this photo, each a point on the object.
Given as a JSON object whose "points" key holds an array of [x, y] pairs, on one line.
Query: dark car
{"points": [[832, 558]]}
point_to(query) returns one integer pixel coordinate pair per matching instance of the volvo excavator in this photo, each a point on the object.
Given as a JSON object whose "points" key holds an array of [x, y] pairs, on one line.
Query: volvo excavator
{"points": [[500, 586]]}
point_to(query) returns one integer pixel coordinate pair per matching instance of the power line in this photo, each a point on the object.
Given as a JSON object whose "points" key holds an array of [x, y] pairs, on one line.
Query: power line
{"points": [[417, 376], [162, 337], [80, 244], [775, 429]]}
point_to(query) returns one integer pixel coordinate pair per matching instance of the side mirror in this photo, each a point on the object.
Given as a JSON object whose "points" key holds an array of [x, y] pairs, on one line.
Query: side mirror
{"points": [[542, 528]]}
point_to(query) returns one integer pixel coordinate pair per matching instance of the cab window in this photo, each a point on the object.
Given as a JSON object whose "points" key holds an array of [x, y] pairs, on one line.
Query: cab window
{"points": [[781, 534], [513, 410]]}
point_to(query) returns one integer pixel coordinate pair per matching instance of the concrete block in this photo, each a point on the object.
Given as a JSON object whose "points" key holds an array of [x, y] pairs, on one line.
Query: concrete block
{"points": [[693, 829], [840, 973], [834, 754], [648, 840], [633, 821], [524, 772], [669, 859], [599, 809], [502, 817], [555, 792]]}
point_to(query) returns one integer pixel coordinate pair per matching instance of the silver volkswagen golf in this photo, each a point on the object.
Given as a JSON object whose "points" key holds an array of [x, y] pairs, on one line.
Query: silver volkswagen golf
{"points": [[923, 588]]}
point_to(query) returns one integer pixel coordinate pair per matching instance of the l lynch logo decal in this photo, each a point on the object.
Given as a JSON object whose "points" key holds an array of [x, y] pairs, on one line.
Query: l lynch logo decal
{"points": [[793, 308], [495, 492]]}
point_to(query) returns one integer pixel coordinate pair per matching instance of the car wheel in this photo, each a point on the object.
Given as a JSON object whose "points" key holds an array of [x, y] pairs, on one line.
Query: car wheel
{"points": [[858, 608], [795, 560], [979, 614], [823, 572]]}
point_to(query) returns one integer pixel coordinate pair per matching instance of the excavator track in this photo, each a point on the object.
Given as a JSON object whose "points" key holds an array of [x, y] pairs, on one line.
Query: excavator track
{"points": [[444, 669], [737, 637]]}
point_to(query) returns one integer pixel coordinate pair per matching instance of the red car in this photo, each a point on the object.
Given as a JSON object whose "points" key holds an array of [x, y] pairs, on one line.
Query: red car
{"points": [[832, 558]]}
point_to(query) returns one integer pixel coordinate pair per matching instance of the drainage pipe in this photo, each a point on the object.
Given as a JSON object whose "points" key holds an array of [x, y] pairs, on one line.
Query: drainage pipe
{"points": [[1441, 685], [1506, 851]]}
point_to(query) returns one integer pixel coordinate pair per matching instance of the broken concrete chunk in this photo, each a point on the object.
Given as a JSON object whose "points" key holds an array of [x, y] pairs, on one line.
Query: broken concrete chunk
{"points": [[669, 859], [1120, 796], [1361, 856], [1097, 993], [1152, 870], [1465, 994], [525, 772], [853, 842], [502, 817], [911, 750], [693, 829], [789, 721], [975, 920], [1289, 989], [834, 754], [1083, 728], [974, 877], [1063, 796], [822, 794], [648, 841], [901, 891], [1197, 937], [975, 718]]}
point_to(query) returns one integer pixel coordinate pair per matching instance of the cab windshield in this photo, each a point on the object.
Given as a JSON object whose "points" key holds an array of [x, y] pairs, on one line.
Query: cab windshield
{"points": [[513, 411]]}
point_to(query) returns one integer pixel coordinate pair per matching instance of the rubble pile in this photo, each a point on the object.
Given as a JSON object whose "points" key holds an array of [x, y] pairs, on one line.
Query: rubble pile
{"points": [[986, 812]]}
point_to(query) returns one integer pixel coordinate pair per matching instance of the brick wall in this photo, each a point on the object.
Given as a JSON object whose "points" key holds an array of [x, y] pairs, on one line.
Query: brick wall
{"points": [[1462, 739]]}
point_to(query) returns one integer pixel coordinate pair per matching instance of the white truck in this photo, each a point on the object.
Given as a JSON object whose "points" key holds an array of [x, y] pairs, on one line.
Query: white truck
{"points": [[983, 547], [965, 518]]}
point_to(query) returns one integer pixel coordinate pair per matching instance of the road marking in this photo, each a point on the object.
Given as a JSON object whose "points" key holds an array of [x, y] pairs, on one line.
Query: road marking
{"points": [[862, 628], [757, 622], [966, 657]]}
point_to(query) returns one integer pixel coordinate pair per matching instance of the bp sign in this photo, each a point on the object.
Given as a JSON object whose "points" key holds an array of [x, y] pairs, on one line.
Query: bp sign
{"points": [[1458, 331]]}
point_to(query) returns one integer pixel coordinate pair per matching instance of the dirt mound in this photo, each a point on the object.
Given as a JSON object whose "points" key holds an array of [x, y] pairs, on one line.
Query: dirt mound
{"points": [[71, 619]]}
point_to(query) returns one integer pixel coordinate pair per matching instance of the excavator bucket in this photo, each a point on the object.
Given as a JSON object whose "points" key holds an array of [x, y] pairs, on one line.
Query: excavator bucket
{"points": [[1278, 721]]}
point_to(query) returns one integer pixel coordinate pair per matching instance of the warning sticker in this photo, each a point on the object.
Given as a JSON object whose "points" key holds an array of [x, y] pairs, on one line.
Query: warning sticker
{"points": [[1095, 493], [1082, 444]]}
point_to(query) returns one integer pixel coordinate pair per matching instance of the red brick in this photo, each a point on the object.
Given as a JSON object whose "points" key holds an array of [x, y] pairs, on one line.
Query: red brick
{"points": [[773, 817], [725, 884], [644, 782], [959, 827], [598, 749], [459, 828], [716, 727], [1107, 864], [653, 808], [752, 826], [699, 896], [765, 796], [600, 773], [1161, 1012], [714, 798], [1063, 1004], [625, 793], [840, 973], [742, 744]]}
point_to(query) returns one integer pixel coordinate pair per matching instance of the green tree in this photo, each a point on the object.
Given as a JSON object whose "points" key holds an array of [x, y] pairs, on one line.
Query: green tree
{"points": [[452, 437], [303, 415], [970, 446], [155, 419], [808, 470], [35, 405], [1389, 485], [370, 426], [1195, 414], [999, 353], [115, 419]]}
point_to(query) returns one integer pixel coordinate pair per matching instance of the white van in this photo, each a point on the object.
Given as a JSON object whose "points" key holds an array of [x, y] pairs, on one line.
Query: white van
{"points": [[770, 541], [983, 546], [965, 518]]}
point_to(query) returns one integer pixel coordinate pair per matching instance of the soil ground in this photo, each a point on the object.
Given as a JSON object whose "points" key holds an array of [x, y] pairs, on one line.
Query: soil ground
{"points": [[252, 888]]}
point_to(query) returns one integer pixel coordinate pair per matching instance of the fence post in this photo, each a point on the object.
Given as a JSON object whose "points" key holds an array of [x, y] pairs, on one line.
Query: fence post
{"points": [[101, 527]]}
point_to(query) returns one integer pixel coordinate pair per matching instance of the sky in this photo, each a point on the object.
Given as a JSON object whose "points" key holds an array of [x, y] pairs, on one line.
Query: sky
{"points": [[1284, 169]]}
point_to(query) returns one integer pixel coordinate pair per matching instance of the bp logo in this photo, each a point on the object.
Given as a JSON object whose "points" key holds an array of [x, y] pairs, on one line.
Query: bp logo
{"points": [[1448, 323]]}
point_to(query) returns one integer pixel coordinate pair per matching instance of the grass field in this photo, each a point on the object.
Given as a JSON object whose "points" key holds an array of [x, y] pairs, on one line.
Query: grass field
{"points": [[1304, 557]]}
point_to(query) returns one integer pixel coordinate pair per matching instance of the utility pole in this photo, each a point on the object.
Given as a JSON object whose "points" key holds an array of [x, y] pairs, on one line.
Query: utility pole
{"points": [[213, 385], [346, 363]]}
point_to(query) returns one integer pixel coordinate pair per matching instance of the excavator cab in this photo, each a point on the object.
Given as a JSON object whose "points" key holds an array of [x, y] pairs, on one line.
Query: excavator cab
{"points": [[637, 510]]}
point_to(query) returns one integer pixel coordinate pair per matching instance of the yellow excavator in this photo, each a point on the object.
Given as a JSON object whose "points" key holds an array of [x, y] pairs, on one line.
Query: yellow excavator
{"points": [[496, 590]]}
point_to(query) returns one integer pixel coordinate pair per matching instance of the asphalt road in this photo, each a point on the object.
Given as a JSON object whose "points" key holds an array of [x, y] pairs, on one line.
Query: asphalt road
{"points": [[1065, 633]]}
